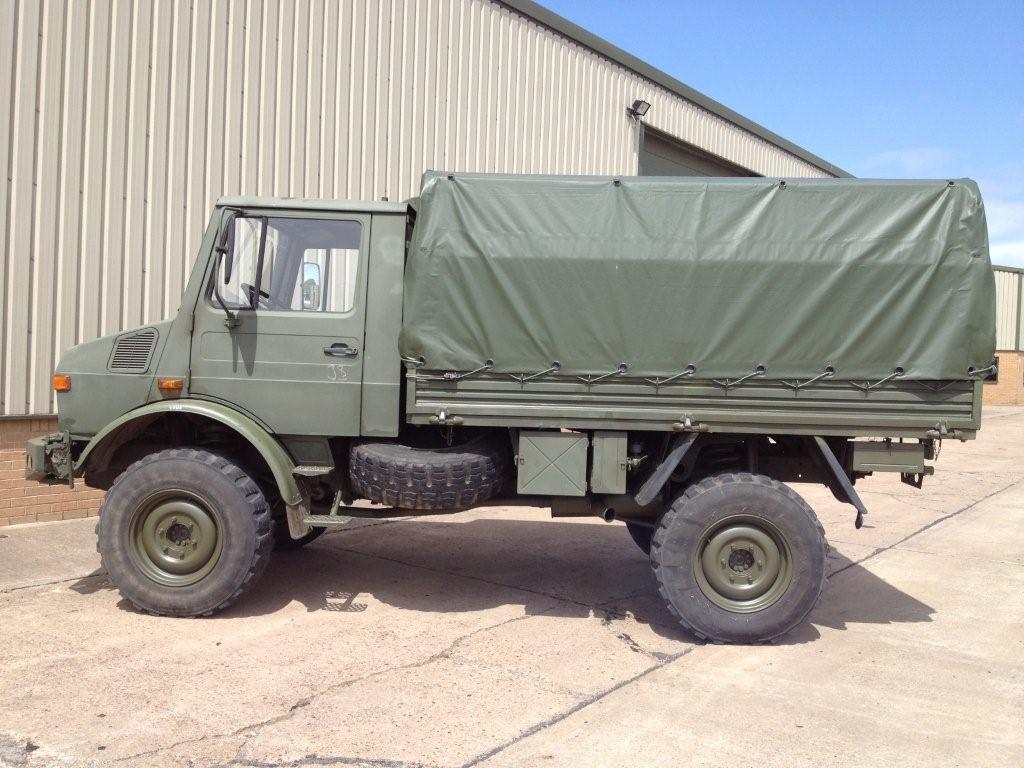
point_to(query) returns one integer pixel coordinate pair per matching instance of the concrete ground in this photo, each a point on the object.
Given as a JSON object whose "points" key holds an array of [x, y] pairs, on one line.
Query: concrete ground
{"points": [[501, 638]]}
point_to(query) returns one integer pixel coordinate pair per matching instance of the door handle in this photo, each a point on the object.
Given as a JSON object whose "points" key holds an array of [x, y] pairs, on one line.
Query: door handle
{"points": [[341, 349]]}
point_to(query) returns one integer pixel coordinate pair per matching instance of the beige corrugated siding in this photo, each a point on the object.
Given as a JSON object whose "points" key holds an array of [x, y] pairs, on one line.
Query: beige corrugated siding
{"points": [[125, 120], [1009, 312]]}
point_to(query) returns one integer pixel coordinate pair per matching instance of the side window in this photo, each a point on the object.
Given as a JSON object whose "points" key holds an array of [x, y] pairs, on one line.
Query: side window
{"points": [[328, 280], [309, 265]]}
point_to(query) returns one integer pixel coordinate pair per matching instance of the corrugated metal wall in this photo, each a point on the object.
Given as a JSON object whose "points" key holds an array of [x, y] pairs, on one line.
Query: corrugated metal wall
{"points": [[123, 120], [1009, 309]]}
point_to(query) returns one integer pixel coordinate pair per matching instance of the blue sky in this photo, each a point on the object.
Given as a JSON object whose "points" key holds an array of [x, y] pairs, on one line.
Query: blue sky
{"points": [[881, 89]]}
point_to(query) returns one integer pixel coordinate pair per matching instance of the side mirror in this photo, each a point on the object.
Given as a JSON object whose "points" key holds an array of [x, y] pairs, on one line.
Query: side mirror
{"points": [[224, 250], [311, 288], [225, 241], [225, 260]]}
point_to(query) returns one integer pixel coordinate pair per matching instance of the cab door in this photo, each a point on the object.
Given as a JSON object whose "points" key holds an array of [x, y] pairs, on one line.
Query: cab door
{"points": [[295, 285]]}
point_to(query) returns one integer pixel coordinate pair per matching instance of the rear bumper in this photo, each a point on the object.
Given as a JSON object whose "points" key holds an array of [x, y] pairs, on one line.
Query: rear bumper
{"points": [[48, 459]]}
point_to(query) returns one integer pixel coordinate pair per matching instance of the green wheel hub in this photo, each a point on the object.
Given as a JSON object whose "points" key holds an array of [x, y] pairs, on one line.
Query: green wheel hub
{"points": [[743, 564], [175, 538]]}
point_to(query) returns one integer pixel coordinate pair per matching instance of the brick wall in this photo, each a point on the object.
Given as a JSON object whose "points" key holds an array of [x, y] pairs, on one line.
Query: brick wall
{"points": [[1010, 388], [23, 501]]}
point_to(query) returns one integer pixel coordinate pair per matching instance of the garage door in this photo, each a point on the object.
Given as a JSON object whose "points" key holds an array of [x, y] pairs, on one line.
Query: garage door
{"points": [[663, 155]]}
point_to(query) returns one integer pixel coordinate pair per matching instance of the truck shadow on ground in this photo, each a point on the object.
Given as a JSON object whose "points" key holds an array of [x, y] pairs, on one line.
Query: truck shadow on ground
{"points": [[572, 570]]}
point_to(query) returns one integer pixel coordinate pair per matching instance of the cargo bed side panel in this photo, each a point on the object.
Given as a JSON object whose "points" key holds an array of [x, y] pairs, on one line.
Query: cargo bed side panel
{"points": [[895, 409]]}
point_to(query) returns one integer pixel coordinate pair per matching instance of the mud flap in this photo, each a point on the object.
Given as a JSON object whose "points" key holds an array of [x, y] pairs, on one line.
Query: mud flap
{"points": [[297, 525]]}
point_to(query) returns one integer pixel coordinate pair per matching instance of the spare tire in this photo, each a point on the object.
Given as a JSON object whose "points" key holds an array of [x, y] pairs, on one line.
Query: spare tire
{"points": [[456, 477]]}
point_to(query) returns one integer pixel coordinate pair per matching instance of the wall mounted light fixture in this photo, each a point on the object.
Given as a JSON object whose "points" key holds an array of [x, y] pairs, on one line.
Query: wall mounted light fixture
{"points": [[638, 109]]}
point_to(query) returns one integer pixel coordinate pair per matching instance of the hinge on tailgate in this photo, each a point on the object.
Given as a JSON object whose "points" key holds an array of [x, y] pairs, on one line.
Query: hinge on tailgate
{"points": [[444, 419], [689, 425], [942, 431]]}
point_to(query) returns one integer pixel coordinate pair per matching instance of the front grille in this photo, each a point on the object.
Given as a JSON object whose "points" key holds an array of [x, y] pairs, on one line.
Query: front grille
{"points": [[132, 351]]}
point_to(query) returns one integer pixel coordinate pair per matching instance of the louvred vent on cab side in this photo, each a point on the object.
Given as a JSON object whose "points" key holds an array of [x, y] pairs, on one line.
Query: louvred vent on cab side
{"points": [[133, 351]]}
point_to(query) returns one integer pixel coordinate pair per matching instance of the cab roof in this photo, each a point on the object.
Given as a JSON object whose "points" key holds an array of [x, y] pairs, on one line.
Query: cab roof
{"points": [[315, 204]]}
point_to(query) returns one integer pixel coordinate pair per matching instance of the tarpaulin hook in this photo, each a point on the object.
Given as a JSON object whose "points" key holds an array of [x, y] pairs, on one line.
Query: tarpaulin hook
{"points": [[448, 375], [690, 370], [828, 373], [759, 371], [982, 371], [588, 380], [896, 373], [415, 362], [555, 368], [457, 376]]}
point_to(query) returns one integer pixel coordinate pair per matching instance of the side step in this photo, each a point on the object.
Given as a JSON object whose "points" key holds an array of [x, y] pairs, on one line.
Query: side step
{"points": [[327, 521], [312, 470]]}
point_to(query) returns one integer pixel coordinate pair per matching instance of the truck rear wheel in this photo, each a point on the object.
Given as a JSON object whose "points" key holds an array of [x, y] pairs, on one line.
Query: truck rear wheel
{"points": [[184, 532], [739, 558], [455, 477]]}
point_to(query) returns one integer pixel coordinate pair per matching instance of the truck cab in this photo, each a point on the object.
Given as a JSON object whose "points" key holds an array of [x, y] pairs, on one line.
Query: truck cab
{"points": [[276, 322]]}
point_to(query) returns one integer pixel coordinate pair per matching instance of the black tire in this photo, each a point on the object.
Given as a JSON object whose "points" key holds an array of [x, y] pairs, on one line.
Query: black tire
{"points": [[642, 535], [689, 548], [283, 541], [458, 477], [184, 479]]}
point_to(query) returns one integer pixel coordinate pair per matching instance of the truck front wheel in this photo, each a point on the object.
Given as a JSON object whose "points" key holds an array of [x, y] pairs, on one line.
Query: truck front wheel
{"points": [[184, 532], [739, 558]]}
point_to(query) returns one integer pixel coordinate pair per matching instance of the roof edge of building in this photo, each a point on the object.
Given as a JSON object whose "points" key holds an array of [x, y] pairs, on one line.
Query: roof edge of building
{"points": [[602, 47]]}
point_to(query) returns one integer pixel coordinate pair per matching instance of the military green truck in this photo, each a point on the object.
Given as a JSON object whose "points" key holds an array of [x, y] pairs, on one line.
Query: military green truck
{"points": [[664, 352]]}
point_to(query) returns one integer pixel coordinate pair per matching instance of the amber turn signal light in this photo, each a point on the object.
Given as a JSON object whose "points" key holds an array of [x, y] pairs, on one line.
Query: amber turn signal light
{"points": [[170, 385], [61, 382]]}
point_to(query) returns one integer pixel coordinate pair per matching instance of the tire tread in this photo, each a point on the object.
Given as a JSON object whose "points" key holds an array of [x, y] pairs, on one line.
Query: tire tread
{"points": [[251, 492], [409, 478], [712, 484]]}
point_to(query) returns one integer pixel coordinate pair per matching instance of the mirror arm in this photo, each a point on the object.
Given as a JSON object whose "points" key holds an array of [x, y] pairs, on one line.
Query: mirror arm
{"points": [[231, 320]]}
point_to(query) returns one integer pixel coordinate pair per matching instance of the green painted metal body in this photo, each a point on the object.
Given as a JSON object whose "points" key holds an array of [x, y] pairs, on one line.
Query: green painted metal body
{"points": [[895, 409], [268, 377], [608, 467], [271, 449], [552, 463], [886, 456]]}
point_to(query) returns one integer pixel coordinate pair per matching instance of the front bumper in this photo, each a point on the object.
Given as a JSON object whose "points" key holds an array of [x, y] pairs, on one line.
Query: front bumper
{"points": [[48, 459]]}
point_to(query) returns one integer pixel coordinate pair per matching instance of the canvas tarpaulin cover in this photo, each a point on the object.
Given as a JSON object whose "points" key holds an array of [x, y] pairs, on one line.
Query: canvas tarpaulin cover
{"points": [[859, 276]]}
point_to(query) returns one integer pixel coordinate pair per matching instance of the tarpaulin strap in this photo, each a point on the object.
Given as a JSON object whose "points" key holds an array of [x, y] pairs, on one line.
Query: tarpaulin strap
{"points": [[690, 370], [457, 375], [896, 373], [588, 380], [522, 377], [759, 371], [983, 371], [828, 373]]}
